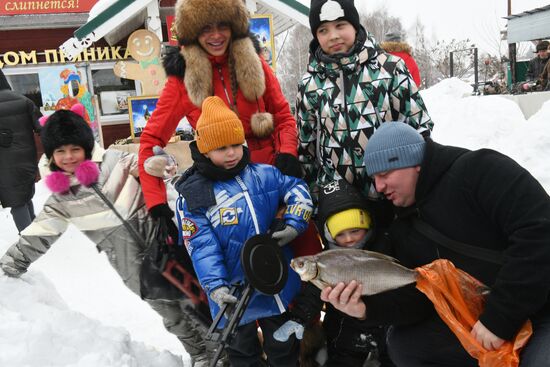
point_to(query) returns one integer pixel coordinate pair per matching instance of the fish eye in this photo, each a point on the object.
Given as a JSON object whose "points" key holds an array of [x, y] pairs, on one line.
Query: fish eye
{"points": [[300, 264]]}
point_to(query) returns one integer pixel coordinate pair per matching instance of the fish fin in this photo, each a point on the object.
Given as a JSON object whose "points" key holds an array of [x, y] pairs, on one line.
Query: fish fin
{"points": [[380, 256]]}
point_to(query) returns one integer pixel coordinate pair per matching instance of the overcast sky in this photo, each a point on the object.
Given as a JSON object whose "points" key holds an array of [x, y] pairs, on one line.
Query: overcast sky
{"points": [[478, 20]]}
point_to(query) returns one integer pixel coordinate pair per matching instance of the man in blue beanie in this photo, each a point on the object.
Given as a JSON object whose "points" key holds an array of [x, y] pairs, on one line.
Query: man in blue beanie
{"points": [[483, 212]]}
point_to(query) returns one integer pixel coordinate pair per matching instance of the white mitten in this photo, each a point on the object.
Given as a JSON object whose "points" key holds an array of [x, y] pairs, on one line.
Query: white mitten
{"points": [[161, 164]]}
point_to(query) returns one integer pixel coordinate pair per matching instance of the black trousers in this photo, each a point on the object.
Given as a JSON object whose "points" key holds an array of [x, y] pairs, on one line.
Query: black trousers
{"points": [[428, 343], [245, 349], [23, 215]]}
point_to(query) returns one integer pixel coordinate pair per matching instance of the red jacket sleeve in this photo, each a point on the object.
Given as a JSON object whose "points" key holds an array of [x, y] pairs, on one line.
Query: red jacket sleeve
{"points": [[413, 68], [286, 132], [172, 106]]}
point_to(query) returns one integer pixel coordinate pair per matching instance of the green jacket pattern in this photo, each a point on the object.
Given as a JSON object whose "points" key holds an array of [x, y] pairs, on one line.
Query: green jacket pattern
{"points": [[340, 105]]}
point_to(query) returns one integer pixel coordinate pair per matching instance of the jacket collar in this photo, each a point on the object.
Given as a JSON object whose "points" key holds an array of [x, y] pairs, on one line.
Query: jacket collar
{"points": [[396, 47], [248, 70], [438, 160]]}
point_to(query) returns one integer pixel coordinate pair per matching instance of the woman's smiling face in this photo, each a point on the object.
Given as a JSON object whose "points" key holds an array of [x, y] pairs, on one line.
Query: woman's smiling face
{"points": [[215, 38]]}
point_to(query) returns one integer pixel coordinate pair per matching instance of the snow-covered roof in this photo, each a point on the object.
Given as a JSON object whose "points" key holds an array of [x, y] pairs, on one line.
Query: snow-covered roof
{"points": [[528, 12], [105, 17], [286, 13]]}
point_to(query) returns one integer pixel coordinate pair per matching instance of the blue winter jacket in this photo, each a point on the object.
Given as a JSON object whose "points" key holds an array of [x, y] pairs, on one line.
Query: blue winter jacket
{"points": [[245, 205]]}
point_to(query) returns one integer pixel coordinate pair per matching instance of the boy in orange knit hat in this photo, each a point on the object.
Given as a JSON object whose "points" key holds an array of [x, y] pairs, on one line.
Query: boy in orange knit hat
{"points": [[225, 200]]}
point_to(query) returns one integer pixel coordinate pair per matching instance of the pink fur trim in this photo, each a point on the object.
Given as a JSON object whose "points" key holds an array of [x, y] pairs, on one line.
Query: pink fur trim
{"points": [[78, 109], [42, 120], [87, 173], [58, 182]]}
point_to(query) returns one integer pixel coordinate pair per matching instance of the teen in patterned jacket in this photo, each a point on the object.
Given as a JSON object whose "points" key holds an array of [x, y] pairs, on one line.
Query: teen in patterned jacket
{"points": [[351, 86]]}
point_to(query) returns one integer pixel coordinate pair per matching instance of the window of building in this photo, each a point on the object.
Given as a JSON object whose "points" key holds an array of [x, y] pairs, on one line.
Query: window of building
{"points": [[109, 91], [112, 92], [28, 85]]}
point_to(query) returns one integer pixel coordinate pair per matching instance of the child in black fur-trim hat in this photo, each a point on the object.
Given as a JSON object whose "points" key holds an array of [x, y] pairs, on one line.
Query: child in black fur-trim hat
{"points": [[66, 128], [85, 182]]}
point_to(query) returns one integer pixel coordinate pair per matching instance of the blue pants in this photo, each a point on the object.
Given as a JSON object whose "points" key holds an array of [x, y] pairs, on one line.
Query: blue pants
{"points": [[23, 215], [432, 343]]}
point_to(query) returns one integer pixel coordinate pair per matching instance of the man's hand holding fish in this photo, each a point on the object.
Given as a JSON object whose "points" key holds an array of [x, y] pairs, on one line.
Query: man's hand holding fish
{"points": [[346, 299]]}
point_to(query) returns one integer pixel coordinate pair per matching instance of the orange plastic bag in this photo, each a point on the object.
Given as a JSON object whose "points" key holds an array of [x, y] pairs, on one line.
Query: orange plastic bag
{"points": [[459, 299]]}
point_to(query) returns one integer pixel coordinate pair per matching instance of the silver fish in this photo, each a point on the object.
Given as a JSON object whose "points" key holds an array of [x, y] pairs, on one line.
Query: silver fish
{"points": [[376, 272]]}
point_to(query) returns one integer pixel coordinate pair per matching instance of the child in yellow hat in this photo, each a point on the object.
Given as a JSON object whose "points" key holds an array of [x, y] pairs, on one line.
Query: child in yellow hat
{"points": [[345, 221], [350, 228]]}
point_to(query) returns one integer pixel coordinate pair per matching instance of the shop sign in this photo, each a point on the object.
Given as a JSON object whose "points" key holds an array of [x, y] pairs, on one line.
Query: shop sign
{"points": [[27, 7], [55, 56]]}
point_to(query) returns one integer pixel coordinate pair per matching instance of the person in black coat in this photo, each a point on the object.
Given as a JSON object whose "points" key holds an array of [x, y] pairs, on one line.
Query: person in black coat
{"points": [[535, 68], [488, 203], [18, 166], [346, 220]]}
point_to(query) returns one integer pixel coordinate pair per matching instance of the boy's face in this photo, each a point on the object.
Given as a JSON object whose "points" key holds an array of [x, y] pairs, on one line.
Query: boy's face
{"points": [[349, 237], [226, 157], [335, 37]]}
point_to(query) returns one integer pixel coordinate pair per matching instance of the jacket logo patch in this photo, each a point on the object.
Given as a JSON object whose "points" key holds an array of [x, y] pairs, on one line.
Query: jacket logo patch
{"points": [[188, 228], [228, 216], [299, 211], [331, 187]]}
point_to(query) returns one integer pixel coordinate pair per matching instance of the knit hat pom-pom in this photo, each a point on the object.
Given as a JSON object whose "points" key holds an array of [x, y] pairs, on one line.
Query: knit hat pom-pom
{"points": [[58, 182], [87, 173]]}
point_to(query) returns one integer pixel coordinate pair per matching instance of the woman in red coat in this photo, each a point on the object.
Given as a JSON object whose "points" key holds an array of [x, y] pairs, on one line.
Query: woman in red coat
{"points": [[395, 46], [217, 57]]}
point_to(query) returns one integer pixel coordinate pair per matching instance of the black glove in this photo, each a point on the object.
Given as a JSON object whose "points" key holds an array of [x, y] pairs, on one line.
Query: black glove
{"points": [[163, 211], [289, 165]]}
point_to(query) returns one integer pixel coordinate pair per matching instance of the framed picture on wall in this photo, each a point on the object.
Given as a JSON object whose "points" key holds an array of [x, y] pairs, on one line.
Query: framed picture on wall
{"points": [[140, 110], [261, 25]]}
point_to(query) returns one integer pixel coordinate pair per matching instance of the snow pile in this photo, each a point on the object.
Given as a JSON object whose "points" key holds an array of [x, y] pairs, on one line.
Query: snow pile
{"points": [[71, 309], [494, 122], [38, 329]]}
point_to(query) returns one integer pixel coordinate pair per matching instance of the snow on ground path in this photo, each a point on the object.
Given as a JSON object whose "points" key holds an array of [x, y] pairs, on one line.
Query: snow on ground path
{"points": [[37, 329], [80, 281]]}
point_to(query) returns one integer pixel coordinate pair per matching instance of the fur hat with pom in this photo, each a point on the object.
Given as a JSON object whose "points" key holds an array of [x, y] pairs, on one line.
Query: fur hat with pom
{"points": [[66, 127], [193, 15]]}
